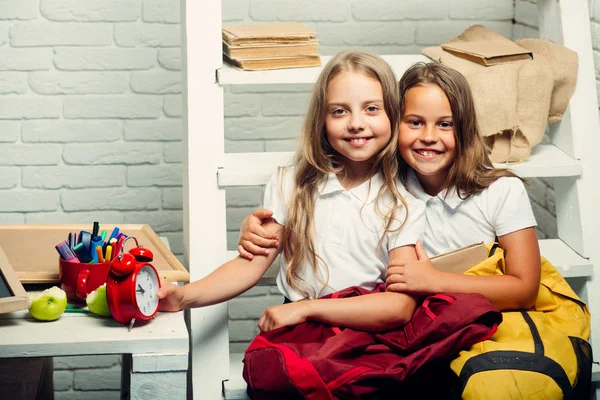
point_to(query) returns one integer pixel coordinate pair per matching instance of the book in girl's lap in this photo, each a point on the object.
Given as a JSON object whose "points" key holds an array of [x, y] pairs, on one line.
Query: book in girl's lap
{"points": [[340, 213]]}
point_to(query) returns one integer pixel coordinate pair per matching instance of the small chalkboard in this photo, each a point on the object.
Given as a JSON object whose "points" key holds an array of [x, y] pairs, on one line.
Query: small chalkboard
{"points": [[12, 294], [4, 289]]}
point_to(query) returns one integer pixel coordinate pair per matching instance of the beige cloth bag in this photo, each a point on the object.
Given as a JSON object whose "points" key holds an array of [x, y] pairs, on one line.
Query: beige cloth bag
{"points": [[514, 100]]}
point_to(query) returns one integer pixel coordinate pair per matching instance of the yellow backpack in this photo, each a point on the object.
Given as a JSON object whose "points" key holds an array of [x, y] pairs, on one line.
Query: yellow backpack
{"points": [[541, 353]]}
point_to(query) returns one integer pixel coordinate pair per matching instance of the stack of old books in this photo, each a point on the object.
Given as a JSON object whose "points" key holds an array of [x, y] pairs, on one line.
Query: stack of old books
{"points": [[270, 46]]}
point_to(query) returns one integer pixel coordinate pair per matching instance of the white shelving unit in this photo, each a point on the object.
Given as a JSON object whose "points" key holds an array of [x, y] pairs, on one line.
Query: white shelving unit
{"points": [[569, 160]]}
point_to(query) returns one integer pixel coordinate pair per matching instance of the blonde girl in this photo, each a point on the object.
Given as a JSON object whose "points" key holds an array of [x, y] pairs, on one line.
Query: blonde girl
{"points": [[340, 213]]}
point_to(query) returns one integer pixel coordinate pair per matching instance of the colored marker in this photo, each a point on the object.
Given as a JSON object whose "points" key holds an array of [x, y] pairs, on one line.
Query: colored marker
{"points": [[86, 239], [114, 233], [65, 252], [119, 245], [108, 255], [79, 250], [95, 229], [96, 241], [99, 254]]}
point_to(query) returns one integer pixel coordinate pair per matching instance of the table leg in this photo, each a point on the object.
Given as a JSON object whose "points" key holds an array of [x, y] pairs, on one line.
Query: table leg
{"points": [[154, 376]]}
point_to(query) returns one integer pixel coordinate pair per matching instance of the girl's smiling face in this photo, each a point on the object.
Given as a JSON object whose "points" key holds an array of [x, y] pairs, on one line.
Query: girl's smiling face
{"points": [[427, 142], [357, 125]]}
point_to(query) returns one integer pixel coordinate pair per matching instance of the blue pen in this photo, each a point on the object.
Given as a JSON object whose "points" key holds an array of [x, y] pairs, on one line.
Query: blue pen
{"points": [[114, 234]]}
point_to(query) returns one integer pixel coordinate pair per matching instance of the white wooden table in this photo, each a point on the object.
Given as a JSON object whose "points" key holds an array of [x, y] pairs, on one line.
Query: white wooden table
{"points": [[155, 352]]}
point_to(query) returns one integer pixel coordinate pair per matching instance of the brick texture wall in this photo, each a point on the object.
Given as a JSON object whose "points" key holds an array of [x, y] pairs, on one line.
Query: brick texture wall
{"points": [[90, 129], [90, 116]]}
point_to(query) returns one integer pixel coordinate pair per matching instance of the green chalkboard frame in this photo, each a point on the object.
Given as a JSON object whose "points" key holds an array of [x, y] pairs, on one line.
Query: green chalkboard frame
{"points": [[13, 296]]}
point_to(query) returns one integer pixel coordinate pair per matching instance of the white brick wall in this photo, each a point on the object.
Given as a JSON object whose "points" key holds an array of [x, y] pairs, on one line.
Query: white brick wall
{"points": [[90, 122], [92, 89]]}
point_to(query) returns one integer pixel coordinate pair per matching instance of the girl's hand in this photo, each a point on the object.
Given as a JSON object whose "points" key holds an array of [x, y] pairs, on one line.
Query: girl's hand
{"points": [[254, 239], [284, 315], [415, 277], [170, 296]]}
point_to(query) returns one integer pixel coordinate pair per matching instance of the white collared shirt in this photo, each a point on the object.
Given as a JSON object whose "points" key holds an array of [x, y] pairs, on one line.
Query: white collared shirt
{"points": [[452, 222], [347, 229]]}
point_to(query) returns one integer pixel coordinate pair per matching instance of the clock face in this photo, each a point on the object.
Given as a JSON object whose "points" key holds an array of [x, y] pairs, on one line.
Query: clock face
{"points": [[146, 286]]}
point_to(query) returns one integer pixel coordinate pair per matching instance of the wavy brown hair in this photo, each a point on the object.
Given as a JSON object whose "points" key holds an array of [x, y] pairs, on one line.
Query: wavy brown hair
{"points": [[315, 159], [472, 170]]}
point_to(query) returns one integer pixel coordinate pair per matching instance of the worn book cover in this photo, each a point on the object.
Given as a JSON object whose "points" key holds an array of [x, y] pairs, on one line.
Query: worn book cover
{"points": [[488, 52], [277, 32], [261, 64], [250, 51], [460, 260]]}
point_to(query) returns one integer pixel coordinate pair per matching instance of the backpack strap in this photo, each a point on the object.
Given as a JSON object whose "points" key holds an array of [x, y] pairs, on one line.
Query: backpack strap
{"points": [[493, 249], [495, 246]]}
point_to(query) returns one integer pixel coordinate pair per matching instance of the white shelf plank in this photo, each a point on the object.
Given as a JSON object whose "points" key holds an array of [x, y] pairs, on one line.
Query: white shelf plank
{"points": [[242, 169], [567, 262], [248, 169], [230, 76], [546, 161]]}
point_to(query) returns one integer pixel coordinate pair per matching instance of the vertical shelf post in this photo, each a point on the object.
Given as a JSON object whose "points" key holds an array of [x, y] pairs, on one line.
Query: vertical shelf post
{"points": [[568, 22], [204, 203]]}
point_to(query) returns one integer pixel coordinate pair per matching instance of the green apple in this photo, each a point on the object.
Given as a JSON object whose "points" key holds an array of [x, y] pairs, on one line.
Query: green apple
{"points": [[47, 305], [96, 302]]}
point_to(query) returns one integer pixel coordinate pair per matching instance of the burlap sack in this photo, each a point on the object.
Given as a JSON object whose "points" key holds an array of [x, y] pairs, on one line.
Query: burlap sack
{"points": [[564, 63], [514, 100]]}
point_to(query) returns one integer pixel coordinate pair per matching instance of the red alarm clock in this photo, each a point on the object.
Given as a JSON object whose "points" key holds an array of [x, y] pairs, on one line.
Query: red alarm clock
{"points": [[132, 284]]}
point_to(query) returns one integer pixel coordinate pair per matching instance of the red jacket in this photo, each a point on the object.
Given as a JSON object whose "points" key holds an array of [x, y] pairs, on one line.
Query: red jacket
{"points": [[319, 362]]}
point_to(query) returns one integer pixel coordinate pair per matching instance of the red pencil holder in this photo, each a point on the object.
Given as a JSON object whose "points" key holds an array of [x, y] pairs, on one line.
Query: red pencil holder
{"points": [[79, 279]]}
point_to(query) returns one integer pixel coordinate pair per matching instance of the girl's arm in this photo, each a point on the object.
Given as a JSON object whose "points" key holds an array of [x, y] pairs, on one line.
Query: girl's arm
{"points": [[517, 289], [226, 282], [374, 312]]}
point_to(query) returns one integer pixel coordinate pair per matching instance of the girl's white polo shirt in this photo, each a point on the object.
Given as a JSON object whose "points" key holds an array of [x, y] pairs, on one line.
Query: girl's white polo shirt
{"points": [[451, 222], [347, 229]]}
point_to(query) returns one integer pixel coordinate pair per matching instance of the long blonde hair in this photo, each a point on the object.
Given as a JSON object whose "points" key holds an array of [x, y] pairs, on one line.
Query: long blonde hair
{"points": [[472, 170], [315, 159]]}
